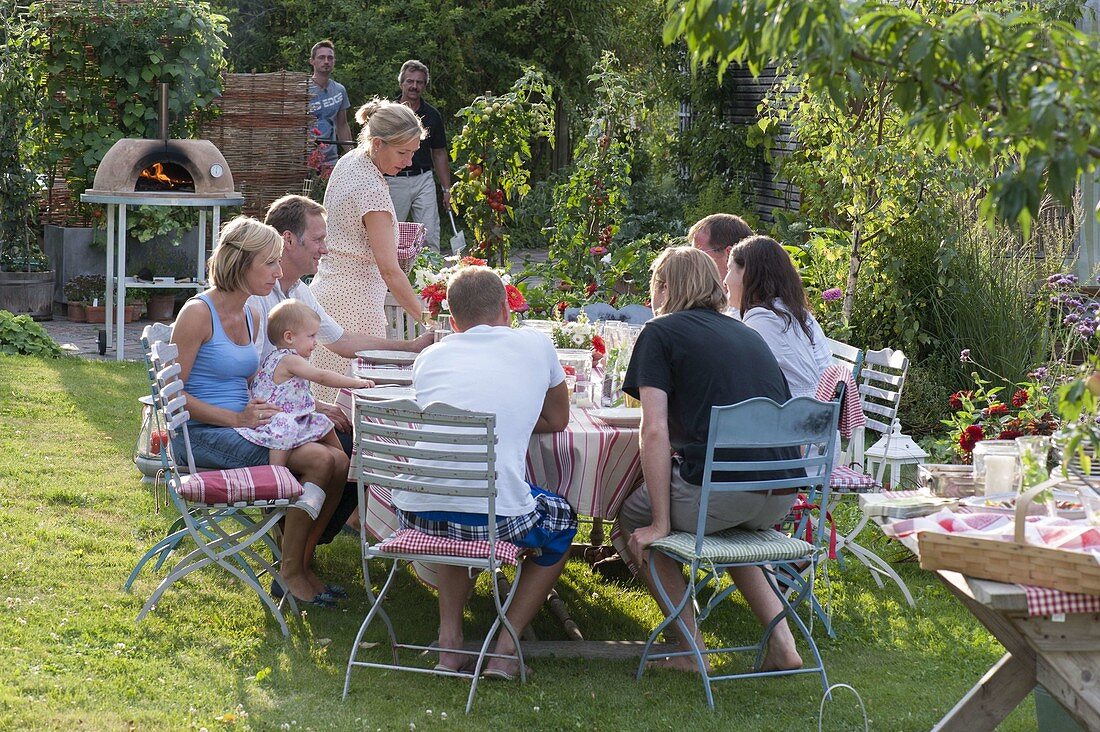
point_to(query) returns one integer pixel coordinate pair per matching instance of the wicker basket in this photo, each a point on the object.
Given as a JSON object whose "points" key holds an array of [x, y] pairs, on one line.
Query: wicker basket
{"points": [[1012, 561]]}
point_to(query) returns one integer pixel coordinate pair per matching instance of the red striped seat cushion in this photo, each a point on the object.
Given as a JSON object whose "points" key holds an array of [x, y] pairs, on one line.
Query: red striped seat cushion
{"points": [[241, 485]]}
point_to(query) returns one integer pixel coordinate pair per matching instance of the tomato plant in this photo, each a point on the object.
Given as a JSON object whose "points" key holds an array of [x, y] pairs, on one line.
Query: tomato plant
{"points": [[589, 206], [492, 153]]}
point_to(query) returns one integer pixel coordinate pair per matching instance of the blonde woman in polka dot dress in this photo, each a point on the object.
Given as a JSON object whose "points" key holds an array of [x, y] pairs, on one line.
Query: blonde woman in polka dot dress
{"points": [[361, 264]]}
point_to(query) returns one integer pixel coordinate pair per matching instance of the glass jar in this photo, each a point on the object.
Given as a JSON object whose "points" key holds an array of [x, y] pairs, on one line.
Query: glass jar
{"points": [[1004, 477], [577, 364]]}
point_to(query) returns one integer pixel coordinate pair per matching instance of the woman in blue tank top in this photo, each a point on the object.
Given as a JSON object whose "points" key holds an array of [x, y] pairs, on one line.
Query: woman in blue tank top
{"points": [[216, 336]]}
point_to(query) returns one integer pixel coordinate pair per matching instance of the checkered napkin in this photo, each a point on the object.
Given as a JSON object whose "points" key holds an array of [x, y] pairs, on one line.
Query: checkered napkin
{"points": [[1045, 601], [1056, 533]]}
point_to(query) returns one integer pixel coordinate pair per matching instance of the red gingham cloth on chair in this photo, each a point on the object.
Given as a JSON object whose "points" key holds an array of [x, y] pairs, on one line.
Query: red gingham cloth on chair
{"points": [[851, 411], [241, 485], [845, 479], [410, 541]]}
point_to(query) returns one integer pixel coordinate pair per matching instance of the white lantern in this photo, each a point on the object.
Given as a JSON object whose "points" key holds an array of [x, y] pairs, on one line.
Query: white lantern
{"points": [[895, 450]]}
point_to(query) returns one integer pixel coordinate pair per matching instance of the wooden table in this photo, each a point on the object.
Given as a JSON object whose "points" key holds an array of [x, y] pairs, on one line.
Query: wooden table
{"points": [[1062, 653]]}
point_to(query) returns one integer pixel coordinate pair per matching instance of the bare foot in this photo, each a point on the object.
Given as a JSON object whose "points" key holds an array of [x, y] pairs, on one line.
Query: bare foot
{"points": [[505, 670], [685, 664], [781, 660]]}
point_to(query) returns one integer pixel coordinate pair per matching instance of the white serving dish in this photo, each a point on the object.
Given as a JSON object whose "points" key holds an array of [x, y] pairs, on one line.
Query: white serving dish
{"points": [[619, 416], [399, 358], [383, 375], [382, 393], [1069, 504]]}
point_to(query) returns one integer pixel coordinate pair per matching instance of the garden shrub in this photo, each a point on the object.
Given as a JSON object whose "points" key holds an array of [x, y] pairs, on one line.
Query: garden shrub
{"points": [[925, 400], [20, 335]]}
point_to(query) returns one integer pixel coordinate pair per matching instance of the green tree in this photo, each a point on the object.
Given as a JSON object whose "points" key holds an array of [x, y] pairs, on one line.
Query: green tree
{"points": [[996, 82]]}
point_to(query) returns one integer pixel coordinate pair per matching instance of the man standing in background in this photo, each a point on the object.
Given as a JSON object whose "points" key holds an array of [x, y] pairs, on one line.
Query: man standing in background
{"points": [[328, 101], [413, 189]]}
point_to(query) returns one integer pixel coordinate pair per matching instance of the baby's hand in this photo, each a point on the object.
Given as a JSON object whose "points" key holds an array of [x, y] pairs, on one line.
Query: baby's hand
{"points": [[365, 384]]}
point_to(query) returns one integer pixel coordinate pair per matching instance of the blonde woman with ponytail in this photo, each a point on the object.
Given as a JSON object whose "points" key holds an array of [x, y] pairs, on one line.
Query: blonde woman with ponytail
{"points": [[361, 265]]}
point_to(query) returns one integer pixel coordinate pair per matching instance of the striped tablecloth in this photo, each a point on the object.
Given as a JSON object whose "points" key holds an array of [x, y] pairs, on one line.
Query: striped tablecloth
{"points": [[593, 465]]}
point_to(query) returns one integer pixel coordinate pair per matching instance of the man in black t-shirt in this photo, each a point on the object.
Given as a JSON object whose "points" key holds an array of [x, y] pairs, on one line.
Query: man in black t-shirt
{"points": [[413, 189], [688, 359]]}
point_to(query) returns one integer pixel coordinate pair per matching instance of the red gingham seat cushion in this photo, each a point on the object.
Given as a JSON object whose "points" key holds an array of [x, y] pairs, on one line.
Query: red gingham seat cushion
{"points": [[410, 541], [846, 480], [241, 485]]}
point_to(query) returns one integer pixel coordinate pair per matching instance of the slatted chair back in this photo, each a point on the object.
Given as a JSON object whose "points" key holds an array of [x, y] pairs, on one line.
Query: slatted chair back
{"points": [[804, 428], [439, 450], [399, 324], [881, 379], [846, 355]]}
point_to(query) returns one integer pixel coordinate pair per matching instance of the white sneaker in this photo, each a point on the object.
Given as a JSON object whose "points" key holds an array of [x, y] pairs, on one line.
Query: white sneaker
{"points": [[311, 500]]}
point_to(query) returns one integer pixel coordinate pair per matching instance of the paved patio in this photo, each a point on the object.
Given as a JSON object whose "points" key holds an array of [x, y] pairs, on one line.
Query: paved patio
{"points": [[82, 339]]}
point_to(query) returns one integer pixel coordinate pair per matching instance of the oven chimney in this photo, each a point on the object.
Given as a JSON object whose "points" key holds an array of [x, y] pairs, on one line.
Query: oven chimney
{"points": [[164, 112]]}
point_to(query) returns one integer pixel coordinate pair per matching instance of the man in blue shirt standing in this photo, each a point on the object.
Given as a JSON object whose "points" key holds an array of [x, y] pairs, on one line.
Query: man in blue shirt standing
{"points": [[328, 101]]}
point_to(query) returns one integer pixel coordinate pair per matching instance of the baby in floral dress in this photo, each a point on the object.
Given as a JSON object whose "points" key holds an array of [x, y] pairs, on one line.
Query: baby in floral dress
{"points": [[284, 378]]}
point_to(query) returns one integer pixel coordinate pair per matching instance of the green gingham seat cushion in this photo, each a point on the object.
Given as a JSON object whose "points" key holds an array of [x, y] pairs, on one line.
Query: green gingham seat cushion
{"points": [[736, 545]]}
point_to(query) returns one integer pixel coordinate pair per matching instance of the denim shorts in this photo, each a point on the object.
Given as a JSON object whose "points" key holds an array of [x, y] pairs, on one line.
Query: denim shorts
{"points": [[219, 448]]}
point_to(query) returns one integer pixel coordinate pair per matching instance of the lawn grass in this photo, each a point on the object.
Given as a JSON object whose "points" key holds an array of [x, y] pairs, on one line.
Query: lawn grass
{"points": [[74, 518]]}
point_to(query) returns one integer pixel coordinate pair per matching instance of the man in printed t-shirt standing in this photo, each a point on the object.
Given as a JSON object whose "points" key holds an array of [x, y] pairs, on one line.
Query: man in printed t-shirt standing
{"points": [[328, 101]]}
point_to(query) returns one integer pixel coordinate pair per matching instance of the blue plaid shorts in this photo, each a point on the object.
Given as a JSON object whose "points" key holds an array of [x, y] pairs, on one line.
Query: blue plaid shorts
{"points": [[550, 527]]}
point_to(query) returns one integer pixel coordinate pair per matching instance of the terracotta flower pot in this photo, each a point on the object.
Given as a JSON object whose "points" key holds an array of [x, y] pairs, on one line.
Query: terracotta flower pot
{"points": [[96, 313], [161, 307], [77, 312]]}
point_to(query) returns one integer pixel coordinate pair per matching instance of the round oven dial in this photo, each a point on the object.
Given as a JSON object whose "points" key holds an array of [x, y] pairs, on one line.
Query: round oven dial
{"points": [[216, 171]]}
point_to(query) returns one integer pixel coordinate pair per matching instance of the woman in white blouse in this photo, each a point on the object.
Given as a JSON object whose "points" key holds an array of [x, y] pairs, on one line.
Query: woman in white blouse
{"points": [[766, 291]]}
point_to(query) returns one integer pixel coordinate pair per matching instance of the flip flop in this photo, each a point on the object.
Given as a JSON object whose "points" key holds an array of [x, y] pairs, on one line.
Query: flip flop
{"points": [[337, 591], [321, 599], [466, 667], [499, 674]]}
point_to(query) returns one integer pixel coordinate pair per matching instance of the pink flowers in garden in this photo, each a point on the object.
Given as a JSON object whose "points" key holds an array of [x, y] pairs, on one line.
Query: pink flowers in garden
{"points": [[832, 294]]}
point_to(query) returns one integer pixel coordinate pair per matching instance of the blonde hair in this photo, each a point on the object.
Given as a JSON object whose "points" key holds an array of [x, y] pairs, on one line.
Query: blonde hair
{"points": [[242, 240], [691, 279], [389, 122], [291, 315], [474, 296]]}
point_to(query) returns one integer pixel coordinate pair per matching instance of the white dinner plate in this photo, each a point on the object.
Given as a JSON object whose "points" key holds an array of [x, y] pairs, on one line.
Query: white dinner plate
{"points": [[1068, 504], [383, 375], [399, 358], [619, 416], [382, 393]]}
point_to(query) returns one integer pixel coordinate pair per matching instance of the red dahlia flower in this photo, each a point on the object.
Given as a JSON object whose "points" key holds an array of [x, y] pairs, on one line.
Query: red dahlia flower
{"points": [[1020, 398], [970, 437], [598, 346], [516, 302]]}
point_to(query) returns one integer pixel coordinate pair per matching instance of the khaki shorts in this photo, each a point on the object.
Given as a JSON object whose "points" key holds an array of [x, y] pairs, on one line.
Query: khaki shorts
{"points": [[742, 509]]}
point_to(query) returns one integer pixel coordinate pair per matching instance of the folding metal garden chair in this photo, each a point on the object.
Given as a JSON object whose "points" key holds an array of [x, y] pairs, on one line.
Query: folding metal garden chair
{"points": [[211, 501], [404, 447], [758, 423], [880, 381]]}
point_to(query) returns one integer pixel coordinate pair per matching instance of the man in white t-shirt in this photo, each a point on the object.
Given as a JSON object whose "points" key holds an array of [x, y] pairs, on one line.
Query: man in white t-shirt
{"points": [[486, 366]]}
